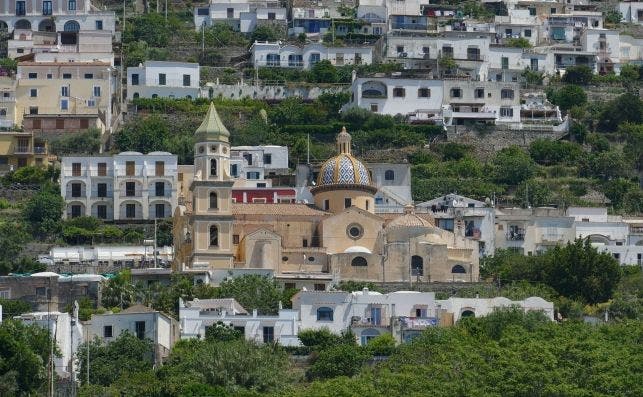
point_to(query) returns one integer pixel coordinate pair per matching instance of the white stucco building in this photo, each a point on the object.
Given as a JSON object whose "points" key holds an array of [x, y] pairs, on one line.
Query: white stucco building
{"points": [[267, 54], [254, 165], [140, 321], [242, 15], [163, 79], [126, 186], [632, 11]]}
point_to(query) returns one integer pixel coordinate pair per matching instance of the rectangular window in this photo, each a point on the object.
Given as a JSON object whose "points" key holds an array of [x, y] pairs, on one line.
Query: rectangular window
{"points": [[160, 210], [424, 93], [101, 190], [339, 59], [5, 294], [33, 75], [20, 8], [268, 334], [84, 123], [506, 112], [139, 329], [99, 25], [75, 169], [399, 48], [186, 80], [88, 76], [272, 16], [50, 76], [267, 158], [348, 202], [97, 91], [230, 12], [320, 287], [504, 61], [374, 107], [398, 92], [527, 32], [203, 11], [326, 205], [456, 93], [33, 92], [233, 170], [290, 285], [534, 64], [235, 239], [75, 189], [447, 51], [64, 104], [130, 210], [75, 211], [304, 242], [159, 168], [102, 169], [159, 189], [130, 189], [134, 78], [108, 331], [64, 90], [46, 8], [71, 5], [552, 10], [101, 211], [130, 168], [162, 78], [66, 76], [479, 93]]}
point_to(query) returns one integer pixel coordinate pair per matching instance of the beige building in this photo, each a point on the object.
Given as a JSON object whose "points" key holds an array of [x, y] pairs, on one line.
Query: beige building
{"points": [[55, 97], [20, 149], [340, 237]]}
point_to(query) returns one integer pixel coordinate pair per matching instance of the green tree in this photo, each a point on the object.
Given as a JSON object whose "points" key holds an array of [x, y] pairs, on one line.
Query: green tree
{"points": [[253, 292], [222, 332], [24, 352], [630, 73], [13, 307], [581, 75], [43, 212], [266, 33], [324, 72], [547, 152], [533, 193], [625, 108], [633, 134], [320, 339], [513, 165], [339, 360], [28, 175], [616, 190], [118, 291], [520, 42], [569, 96], [125, 355], [151, 28], [87, 142], [613, 16], [143, 135], [13, 237], [382, 345]]}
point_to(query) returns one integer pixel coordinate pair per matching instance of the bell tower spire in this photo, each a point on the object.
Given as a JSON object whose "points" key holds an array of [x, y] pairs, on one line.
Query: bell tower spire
{"points": [[344, 142]]}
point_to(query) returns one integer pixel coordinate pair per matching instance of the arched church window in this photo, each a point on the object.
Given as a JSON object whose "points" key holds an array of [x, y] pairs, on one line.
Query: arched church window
{"points": [[359, 261], [417, 266], [213, 167], [213, 201], [458, 269], [214, 236]]}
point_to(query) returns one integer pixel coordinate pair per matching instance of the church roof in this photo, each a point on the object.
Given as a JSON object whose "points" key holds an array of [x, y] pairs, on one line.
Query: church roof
{"points": [[410, 219], [276, 209], [212, 128]]}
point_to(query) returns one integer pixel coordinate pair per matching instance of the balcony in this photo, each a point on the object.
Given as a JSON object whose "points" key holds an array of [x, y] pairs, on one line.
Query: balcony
{"points": [[23, 150], [369, 322], [552, 239], [417, 322], [515, 235]]}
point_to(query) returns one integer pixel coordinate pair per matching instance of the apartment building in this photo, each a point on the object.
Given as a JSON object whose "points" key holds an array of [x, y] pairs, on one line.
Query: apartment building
{"points": [[69, 16], [93, 44], [20, 149], [632, 11], [140, 321], [242, 15], [64, 96], [129, 186], [163, 79], [448, 102], [255, 165], [314, 17], [266, 54]]}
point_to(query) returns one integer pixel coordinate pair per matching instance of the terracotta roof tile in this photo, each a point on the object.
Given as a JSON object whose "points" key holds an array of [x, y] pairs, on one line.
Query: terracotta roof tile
{"points": [[276, 209]]}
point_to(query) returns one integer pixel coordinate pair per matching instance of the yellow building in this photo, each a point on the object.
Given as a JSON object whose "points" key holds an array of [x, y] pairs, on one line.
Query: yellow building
{"points": [[19, 149], [339, 238]]}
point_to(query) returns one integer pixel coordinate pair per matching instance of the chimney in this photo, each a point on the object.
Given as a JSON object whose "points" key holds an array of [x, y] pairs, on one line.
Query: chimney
{"points": [[254, 313], [365, 290]]}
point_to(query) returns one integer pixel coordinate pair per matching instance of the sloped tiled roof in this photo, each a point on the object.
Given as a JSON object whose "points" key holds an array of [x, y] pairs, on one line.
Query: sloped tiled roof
{"points": [[276, 209], [212, 128]]}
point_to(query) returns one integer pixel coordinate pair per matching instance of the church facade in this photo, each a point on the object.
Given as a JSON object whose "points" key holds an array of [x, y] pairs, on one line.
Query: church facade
{"points": [[339, 237]]}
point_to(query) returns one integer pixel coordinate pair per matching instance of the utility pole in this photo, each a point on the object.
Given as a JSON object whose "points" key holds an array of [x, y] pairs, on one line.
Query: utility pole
{"points": [[155, 256]]}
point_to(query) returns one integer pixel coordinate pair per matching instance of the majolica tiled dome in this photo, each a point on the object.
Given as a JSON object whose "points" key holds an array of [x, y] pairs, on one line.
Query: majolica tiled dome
{"points": [[343, 168]]}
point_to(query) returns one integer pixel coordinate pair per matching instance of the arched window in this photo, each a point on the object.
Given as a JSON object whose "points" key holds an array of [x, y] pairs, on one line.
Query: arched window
{"points": [[214, 236], [324, 314], [389, 175], [23, 24], [213, 167], [417, 266], [359, 261], [71, 26], [213, 201], [155, 95], [458, 269], [467, 313], [136, 95], [367, 335]]}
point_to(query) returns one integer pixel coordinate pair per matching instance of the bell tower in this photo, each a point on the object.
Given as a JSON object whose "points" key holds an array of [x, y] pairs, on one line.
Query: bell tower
{"points": [[211, 189]]}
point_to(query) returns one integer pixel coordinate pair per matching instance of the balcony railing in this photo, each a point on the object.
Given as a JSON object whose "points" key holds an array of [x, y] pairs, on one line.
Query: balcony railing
{"points": [[23, 150], [40, 150], [515, 236]]}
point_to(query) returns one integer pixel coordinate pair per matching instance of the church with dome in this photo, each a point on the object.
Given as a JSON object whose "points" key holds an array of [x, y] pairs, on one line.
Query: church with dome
{"points": [[339, 237]]}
